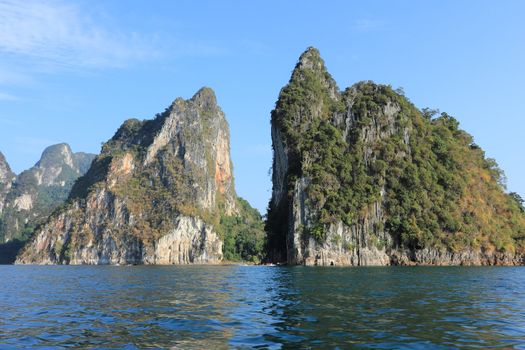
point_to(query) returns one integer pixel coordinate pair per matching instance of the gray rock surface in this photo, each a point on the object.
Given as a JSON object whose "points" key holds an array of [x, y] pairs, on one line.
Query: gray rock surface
{"points": [[6, 180], [32, 195], [151, 196]]}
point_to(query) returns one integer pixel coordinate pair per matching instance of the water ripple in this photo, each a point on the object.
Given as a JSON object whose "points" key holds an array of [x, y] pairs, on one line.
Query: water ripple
{"points": [[221, 307]]}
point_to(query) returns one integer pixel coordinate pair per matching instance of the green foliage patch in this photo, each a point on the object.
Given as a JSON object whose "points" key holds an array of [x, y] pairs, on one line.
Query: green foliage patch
{"points": [[439, 188]]}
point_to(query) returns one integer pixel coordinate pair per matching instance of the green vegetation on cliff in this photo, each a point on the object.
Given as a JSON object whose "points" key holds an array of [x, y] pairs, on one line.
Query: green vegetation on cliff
{"points": [[184, 177], [370, 144], [243, 234], [37, 192]]}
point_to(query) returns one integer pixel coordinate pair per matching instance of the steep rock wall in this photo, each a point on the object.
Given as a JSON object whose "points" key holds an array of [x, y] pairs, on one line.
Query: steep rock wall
{"points": [[153, 196], [340, 173], [32, 195], [6, 180]]}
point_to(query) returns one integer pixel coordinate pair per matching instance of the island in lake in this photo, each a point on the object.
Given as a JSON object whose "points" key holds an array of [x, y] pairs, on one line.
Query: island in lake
{"points": [[360, 177]]}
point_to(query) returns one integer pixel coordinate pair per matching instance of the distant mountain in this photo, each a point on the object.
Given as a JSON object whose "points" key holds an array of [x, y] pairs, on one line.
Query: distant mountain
{"points": [[362, 177], [36, 192], [160, 192]]}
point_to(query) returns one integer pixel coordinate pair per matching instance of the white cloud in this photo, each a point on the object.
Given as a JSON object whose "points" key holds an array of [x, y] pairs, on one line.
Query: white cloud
{"points": [[368, 24], [58, 34], [10, 76], [7, 97]]}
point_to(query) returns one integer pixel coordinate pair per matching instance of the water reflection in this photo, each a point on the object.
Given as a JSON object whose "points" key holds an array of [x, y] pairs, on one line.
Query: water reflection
{"points": [[247, 307]]}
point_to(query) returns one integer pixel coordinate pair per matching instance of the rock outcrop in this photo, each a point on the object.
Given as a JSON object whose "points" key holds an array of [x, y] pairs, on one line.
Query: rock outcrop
{"points": [[362, 177], [36, 192], [158, 193], [6, 181]]}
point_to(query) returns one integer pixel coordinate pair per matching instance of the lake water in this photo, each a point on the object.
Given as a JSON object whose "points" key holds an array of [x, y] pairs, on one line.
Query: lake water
{"points": [[220, 307]]}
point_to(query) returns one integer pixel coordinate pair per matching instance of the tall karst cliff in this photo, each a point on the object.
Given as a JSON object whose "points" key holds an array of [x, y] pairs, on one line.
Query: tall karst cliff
{"points": [[6, 181], [362, 177], [160, 192], [30, 197]]}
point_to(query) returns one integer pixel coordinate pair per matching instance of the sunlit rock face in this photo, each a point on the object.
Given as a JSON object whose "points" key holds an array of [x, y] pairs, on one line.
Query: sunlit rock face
{"points": [[31, 196], [154, 195], [6, 180]]}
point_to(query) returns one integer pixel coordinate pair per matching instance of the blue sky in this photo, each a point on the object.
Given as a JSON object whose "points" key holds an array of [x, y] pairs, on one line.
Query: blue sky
{"points": [[73, 71]]}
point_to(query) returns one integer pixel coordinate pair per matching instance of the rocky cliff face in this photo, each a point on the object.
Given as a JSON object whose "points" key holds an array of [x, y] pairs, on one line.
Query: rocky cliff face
{"points": [[361, 177], [157, 194], [6, 181], [36, 192]]}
